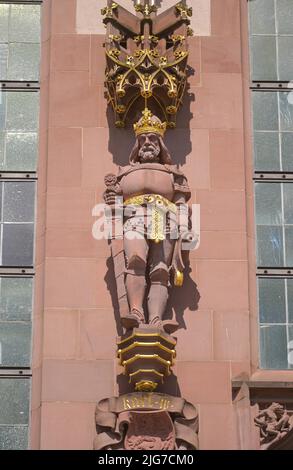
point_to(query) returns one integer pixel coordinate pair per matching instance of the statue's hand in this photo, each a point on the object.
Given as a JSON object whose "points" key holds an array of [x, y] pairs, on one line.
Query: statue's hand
{"points": [[110, 197], [189, 239], [113, 189]]}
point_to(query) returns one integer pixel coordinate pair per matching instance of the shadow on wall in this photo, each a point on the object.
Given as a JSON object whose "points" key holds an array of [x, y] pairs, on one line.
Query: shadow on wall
{"points": [[183, 298], [111, 286]]}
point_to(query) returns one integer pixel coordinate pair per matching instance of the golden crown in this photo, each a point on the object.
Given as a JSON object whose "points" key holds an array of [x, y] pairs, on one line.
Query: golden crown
{"points": [[149, 123]]}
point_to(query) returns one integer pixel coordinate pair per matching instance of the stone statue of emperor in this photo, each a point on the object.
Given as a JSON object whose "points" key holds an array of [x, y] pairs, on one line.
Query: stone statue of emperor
{"points": [[154, 192]]}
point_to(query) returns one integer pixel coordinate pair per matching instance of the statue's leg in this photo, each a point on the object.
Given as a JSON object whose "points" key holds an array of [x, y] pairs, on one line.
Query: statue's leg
{"points": [[136, 252], [160, 258]]}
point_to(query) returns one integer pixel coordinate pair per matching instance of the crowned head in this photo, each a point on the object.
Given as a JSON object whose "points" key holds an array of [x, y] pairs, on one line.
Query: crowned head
{"points": [[149, 146], [149, 123]]}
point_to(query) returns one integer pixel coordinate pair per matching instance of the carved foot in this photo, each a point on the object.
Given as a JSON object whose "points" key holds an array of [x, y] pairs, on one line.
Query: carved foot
{"points": [[169, 326], [132, 320]]}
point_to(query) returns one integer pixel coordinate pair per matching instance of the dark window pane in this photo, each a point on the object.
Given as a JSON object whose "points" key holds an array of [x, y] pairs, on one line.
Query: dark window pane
{"points": [[284, 16], [1, 189], [290, 299], [290, 346], [266, 151], [15, 344], [13, 437], [288, 203], [287, 150], [286, 111], [289, 246], [268, 204], [272, 302], [18, 131], [3, 102], [2, 150], [21, 151], [15, 394], [262, 17], [24, 62], [3, 60], [273, 347], [270, 246], [24, 23], [16, 298], [22, 111], [265, 111], [19, 201], [18, 243], [263, 57], [20, 38], [285, 47], [4, 17]]}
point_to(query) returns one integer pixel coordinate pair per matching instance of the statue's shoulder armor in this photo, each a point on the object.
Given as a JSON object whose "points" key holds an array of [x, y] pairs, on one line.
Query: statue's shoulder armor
{"points": [[124, 170], [176, 171]]}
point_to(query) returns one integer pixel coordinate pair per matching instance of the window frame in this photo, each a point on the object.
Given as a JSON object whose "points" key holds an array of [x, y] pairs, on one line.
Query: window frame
{"points": [[22, 373], [259, 176]]}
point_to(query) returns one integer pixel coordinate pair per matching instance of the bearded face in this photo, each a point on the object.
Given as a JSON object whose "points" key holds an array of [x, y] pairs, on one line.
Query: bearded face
{"points": [[149, 148]]}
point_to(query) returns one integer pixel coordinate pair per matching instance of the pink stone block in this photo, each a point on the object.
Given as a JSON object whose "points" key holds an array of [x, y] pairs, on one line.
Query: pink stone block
{"points": [[205, 382], [70, 283], [46, 20], [227, 159], [70, 52], [222, 285], [37, 341], [105, 287], [221, 245], [240, 369], [70, 207], [272, 376], [216, 436], [63, 16], [74, 103], [97, 160], [77, 381], [39, 283], [41, 212], [217, 104], [35, 429], [195, 341], [97, 334], [68, 426], [221, 54], [225, 16], [222, 210], [75, 243], [231, 336], [65, 157], [36, 388], [40, 249], [61, 329], [191, 150], [195, 60], [97, 59], [45, 60]]}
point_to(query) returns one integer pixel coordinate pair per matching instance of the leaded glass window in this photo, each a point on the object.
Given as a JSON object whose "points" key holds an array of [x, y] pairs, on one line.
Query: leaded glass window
{"points": [[19, 126], [271, 45]]}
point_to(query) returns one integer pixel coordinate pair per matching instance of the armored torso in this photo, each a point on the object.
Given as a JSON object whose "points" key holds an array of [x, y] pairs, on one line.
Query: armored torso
{"points": [[136, 180], [147, 181]]}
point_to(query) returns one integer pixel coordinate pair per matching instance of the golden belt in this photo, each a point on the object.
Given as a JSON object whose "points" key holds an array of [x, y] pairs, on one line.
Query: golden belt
{"points": [[159, 206], [153, 199]]}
